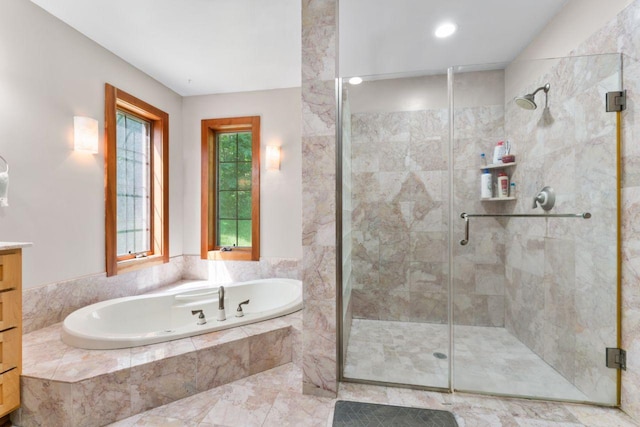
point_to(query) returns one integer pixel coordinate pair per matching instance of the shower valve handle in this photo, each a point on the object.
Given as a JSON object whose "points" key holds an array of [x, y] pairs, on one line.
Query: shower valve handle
{"points": [[546, 198]]}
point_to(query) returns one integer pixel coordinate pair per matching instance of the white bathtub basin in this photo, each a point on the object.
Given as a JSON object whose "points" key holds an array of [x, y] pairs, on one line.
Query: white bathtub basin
{"points": [[148, 319]]}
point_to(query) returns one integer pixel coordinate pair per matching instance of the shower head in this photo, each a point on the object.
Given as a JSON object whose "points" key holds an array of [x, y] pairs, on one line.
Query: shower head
{"points": [[527, 101]]}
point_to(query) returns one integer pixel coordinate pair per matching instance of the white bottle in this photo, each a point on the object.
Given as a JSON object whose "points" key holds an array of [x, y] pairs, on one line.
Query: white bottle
{"points": [[486, 185], [512, 190], [498, 152], [503, 185]]}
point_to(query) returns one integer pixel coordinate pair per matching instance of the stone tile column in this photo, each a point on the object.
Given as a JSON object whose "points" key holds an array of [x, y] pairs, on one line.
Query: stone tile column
{"points": [[319, 30]]}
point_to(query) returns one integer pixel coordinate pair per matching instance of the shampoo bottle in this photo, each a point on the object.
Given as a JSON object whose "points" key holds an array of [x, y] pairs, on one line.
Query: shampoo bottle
{"points": [[498, 152], [483, 160], [486, 185], [503, 185]]}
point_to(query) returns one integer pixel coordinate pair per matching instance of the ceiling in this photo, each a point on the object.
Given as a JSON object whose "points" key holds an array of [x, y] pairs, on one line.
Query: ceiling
{"points": [[396, 36], [198, 47]]}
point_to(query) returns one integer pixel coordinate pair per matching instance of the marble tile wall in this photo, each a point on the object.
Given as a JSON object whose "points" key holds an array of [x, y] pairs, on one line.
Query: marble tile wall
{"points": [[49, 304], [319, 31], [561, 273], [478, 282], [400, 217], [622, 34], [239, 271]]}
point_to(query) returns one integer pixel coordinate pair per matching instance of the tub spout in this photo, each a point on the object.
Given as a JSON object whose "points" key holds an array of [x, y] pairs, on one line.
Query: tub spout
{"points": [[221, 313], [221, 298]]}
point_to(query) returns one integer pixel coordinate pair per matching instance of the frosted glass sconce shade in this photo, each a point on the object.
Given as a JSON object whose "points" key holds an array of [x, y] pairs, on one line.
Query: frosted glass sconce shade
{"points": [[273, 158], [85, 133]]}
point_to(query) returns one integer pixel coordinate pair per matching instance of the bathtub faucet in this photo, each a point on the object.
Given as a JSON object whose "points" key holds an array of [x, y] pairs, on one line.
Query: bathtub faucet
{"points": [[201, 319], [239, 312], [221, 313]]}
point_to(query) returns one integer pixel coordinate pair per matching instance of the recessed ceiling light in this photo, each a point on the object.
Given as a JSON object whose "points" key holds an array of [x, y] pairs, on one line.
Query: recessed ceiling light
{"points": [[445, 30], [355, 80]]}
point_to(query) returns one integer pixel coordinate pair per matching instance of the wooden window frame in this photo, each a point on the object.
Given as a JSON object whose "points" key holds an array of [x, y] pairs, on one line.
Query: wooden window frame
{"points": [[210, 128], [116, 99]]}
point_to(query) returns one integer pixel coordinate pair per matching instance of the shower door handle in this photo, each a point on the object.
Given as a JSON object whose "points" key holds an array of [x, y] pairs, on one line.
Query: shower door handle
{"points": [[464, 241]]}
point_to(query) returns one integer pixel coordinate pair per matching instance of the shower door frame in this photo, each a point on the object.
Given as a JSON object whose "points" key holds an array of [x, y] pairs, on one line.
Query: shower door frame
{"points": [[340, 356]]}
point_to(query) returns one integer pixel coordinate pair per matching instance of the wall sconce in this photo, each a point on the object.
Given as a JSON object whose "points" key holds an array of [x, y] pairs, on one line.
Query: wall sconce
{"points": [[85, 134], [273, 158]]}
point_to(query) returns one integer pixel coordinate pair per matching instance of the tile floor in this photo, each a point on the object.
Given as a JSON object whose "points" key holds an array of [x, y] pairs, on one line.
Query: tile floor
{"points": [[273, 398], [486, 359]]}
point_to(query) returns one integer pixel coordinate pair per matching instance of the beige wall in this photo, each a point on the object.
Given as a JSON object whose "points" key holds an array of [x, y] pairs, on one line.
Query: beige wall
{"points": [[280, 191], [48, 73]]}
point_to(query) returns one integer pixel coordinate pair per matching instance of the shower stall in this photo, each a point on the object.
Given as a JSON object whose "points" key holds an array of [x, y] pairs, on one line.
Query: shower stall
{"points": [[529, 305]]}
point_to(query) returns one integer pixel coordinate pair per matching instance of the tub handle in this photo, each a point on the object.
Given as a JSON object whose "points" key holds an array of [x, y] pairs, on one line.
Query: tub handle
{"points": [[239, 312], [201, 319]]}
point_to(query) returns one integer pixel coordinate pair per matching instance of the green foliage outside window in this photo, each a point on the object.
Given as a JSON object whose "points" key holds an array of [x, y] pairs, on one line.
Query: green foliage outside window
{"points": [[234, 189]]}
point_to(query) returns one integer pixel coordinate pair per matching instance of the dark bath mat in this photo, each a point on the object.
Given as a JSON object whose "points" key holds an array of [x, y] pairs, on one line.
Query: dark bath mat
{"points": [[358, 414]]}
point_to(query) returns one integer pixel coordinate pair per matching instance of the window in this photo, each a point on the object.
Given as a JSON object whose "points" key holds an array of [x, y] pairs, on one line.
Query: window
{"points": [[133, 222], [231, 189], [136, 183]]}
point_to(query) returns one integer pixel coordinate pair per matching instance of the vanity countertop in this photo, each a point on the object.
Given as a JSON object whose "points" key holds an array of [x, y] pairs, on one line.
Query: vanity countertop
{"points": [[14, 245]]}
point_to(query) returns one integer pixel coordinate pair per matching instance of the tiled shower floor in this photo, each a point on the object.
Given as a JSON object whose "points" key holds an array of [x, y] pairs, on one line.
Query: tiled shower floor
{"points": [[486, 359]]}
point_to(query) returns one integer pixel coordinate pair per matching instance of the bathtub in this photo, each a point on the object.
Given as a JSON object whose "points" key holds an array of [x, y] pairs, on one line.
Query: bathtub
{"points": [[153, 318]]}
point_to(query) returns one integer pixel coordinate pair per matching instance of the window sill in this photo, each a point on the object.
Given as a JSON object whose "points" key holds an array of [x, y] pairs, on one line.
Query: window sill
{"points": [[233, 255], [139, 263]]}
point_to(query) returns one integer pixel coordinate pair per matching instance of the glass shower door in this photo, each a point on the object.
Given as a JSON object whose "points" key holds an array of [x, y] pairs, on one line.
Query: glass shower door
{"points": [[535, 298], [395, 284]]}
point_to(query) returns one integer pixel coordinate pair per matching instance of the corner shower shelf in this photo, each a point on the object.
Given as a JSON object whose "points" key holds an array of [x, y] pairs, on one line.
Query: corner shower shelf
{"points": [[498, 165]]}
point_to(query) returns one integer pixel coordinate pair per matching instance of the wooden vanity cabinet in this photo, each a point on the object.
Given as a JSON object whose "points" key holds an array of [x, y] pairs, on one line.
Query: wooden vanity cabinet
{"points": [[10, 329]]}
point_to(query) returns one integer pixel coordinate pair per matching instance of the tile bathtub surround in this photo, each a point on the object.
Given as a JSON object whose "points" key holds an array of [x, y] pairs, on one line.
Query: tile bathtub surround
{"points": [[272, 399], [77, 387], [50, 304], [319, 29], [240, 271], [46, 305]]}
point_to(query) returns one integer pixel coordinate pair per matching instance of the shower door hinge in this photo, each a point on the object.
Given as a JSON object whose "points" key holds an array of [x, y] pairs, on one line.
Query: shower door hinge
{"points": [[616, 101], [616, 358]]}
